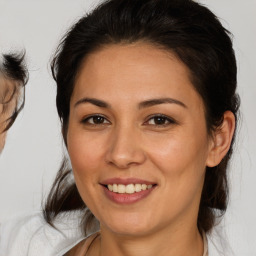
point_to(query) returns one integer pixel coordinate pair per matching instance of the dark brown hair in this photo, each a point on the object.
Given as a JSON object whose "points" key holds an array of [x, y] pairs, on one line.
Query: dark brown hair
{"points": [[14, 76], [187, 29]]}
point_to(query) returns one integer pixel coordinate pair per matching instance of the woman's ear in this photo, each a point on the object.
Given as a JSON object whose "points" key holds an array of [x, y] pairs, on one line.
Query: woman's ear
{"points": [[221, 140]]}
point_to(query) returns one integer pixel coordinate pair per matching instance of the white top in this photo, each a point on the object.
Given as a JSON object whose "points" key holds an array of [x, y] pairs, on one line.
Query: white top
{"points": [[31, 235]]}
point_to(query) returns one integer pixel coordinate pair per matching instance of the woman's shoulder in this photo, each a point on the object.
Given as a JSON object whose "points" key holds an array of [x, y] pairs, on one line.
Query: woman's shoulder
{"points": [[83, 246], [32, 235], [218, 244]]}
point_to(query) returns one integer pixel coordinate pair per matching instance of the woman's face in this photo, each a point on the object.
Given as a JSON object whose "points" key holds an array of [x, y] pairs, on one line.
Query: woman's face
{"points": [[135, 118]]}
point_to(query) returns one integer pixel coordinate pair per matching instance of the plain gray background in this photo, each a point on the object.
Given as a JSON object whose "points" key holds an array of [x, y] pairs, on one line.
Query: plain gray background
{"points": [[34, 146]]}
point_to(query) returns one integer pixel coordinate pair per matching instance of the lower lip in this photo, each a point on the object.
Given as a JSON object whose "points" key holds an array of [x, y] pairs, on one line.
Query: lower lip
{"points": [[127, 198]]}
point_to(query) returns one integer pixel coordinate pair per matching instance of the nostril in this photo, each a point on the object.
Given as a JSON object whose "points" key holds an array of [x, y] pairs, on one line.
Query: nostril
{"points": [[125, 154]]}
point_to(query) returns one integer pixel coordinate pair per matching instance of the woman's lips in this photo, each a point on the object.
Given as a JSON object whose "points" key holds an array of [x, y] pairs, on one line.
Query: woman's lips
{"points": [[127, 191]]}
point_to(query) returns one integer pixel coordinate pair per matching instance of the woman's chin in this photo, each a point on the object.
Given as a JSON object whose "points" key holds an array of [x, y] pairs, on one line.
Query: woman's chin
{"points": [[127, 228]]}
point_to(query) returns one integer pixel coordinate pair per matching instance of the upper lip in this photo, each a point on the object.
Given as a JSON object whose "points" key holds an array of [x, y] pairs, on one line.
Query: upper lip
{"points": [[126, 181]]}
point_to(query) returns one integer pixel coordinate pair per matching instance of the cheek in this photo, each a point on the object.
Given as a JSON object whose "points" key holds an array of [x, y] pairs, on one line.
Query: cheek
{"points": [[181, 162], [86, 154], [180, 154], [84, 150]]}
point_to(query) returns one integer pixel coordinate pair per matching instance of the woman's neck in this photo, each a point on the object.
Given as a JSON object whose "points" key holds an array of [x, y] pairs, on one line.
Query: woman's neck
{"points": [[162, 242]]}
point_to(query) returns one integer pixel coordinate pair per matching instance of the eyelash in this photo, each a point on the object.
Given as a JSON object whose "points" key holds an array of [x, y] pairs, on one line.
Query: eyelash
{"points": [[86, 120], [164, 118]]}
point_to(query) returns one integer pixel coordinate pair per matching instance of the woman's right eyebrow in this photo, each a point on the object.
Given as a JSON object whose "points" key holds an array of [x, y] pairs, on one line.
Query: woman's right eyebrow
{"points": [[96, 102]]}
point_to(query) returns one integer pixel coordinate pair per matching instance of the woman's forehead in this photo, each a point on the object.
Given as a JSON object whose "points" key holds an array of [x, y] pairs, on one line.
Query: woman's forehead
{"points": [[139, 71]]}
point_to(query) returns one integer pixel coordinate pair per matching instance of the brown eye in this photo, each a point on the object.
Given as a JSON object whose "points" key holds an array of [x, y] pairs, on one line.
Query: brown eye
{"points": [[160, 120], [95, 120]]}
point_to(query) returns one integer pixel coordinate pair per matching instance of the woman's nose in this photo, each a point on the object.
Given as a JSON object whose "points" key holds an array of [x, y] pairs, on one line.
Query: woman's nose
{"points": [[125, 148]]}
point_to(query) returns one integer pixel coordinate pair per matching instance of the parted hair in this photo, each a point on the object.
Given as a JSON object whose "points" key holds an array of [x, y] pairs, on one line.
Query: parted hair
{"points": [[187, 29]]}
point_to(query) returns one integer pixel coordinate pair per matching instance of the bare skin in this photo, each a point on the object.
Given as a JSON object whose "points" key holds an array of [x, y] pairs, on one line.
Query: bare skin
{"points": [[8, 102], [134, 113]]}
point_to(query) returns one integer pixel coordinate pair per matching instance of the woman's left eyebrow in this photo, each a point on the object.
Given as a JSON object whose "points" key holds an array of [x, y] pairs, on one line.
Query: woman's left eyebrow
{"points": [[152, 102]]}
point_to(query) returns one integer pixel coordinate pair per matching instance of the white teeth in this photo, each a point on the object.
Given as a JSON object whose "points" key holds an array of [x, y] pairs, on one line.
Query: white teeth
{"points": [[137, 187], [144, 186], [120, 188], [114, 188], [128, 189]]}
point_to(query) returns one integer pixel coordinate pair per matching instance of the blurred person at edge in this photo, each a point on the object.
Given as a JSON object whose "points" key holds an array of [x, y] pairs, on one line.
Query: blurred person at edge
{"points": [[13, 77], [146, 95]]}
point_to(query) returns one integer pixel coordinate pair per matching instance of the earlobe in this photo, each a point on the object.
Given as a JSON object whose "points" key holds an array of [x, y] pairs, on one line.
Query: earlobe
{"points": [[221, 139]]}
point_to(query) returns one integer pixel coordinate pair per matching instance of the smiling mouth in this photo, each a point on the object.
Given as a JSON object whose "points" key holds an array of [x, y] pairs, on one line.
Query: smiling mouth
{"points": [[128, 189]]}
